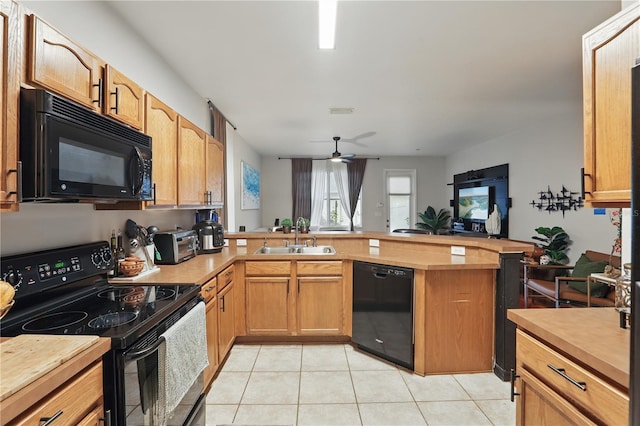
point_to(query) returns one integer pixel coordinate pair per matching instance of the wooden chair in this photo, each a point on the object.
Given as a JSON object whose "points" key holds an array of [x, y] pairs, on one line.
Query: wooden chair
{"points": [[541, 280]]}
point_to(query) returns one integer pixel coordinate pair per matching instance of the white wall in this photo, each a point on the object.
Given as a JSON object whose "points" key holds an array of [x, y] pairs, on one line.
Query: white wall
{"points": [[545, 154], [431, 188]]}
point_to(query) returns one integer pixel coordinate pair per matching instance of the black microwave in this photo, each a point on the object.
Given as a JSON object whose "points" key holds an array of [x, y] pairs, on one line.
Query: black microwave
{"points": [[68, 152]]}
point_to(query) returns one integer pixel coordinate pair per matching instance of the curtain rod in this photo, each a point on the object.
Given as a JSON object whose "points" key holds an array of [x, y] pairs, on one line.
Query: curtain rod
{"points": [[211, 104], [355, 158]]}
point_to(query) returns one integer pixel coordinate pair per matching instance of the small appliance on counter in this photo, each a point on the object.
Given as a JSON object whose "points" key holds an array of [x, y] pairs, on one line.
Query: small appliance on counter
{"points": [[210, 232], [176, 246]]}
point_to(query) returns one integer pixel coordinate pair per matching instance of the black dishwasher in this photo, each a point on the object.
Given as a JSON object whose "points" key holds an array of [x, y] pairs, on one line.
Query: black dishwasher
{"points": [[383, 311]]}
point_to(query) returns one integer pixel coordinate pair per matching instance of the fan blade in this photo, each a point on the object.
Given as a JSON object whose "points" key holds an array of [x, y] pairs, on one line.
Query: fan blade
{"points": [[348, 155]]}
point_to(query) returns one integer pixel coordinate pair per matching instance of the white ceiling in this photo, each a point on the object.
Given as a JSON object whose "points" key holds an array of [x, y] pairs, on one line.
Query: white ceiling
{"points": [[428, 77]]}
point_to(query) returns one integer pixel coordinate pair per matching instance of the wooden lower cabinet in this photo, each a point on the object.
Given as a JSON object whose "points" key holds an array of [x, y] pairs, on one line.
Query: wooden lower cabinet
{"points": [[542, 406], [211, 316], [556, 390], [226, 324], [78, 402], [319, 305], [267, 305], [294, 298]]}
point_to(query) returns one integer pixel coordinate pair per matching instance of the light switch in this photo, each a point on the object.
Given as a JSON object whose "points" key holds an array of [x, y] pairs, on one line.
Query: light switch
{"points": [[241, 242], [459, 250]]}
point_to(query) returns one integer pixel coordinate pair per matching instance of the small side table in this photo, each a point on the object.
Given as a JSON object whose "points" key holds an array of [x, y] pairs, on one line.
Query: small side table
{"points": [[598, 278]]}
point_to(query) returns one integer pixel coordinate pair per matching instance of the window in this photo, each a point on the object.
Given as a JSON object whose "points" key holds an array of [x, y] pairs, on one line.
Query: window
{"points": [[400, 188], [328, 211]]}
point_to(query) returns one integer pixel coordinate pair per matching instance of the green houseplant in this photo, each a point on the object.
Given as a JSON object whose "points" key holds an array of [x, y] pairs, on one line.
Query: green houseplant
{"points": [[554, 241], [432, 221], [304, 226], [286, 224]]}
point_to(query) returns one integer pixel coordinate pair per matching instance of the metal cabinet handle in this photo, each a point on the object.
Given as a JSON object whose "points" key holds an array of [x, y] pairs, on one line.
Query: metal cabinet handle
{"points": [[222, 304], [49, 420], [513, 385], [582, 176], [100, 88], [18, 191], [117, 93], [561, 371], [107, 418]]}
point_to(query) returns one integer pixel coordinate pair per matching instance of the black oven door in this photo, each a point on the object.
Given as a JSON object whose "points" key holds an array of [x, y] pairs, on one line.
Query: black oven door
{"points": [[141, 390], [83, 162]]}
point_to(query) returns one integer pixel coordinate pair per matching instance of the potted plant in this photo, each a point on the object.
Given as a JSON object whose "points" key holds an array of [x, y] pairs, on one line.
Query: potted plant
{"points": [[286, 224], [304, 226], [432, 221], [554, 242]]}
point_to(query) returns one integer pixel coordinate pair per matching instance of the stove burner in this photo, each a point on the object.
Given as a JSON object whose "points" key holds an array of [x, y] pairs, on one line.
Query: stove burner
{"points": [[165, 293], [113, 319], [54, 321]]}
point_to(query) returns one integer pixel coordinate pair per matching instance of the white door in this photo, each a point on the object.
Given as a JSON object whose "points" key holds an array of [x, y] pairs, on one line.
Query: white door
{"points": [[400, 194]]}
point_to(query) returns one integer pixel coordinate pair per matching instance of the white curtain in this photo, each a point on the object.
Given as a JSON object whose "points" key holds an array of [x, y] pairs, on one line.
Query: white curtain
{"points": [[342, 182], [319, 173]]}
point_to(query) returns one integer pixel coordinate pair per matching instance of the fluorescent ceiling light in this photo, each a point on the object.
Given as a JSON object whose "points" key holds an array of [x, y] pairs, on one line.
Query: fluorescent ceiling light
{"points": [[327, 23]]}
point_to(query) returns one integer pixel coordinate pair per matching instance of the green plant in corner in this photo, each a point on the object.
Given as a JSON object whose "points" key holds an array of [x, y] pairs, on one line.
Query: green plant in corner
{"points": [[432, 221], [554, 241]]}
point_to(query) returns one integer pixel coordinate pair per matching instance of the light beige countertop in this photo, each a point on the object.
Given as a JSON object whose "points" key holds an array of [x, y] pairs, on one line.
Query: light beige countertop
{"points": [[203, 267], [590, 335]]}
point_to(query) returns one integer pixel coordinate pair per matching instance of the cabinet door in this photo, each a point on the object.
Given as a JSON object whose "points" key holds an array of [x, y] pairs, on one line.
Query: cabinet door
{"points": [[609, 52], [319, 305], [10, 36], [226, 326], [62, 66], [215, 170], [125, 99], [161, 123], [212, 340], [191, 163], [540, 405], [267, 305], [95, 418]]}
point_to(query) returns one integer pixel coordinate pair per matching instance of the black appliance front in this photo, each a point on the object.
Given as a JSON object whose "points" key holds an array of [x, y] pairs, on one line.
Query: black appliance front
{"points": [[65, 291], [70, 152], [383, 311]]}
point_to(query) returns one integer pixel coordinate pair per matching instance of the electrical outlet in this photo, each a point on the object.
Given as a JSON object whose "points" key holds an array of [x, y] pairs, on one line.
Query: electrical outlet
{"points": [[374, 243], [226, 242], [241, 242], [459, 250]]}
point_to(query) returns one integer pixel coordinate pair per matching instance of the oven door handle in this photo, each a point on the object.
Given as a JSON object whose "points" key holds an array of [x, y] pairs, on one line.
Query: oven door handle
{"points": [[143, 353]]}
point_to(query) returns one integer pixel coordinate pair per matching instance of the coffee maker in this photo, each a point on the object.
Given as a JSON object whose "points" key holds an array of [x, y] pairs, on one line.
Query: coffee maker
{"points": [[210, 232]]}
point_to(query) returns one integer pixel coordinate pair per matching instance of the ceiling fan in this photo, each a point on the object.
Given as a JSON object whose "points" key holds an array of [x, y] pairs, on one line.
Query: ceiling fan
{"points": [[337, 157]]}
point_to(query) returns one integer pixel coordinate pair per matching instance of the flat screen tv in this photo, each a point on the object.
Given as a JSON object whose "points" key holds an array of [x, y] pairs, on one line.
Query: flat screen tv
{"points": [[473, 203]]}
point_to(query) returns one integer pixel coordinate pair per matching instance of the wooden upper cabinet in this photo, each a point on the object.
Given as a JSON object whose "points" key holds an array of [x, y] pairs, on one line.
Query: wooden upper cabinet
{"points": [[10, 36], [609, 52], [161, 123], [191, 163], [62, 66], [124, 98], [215, 170]]}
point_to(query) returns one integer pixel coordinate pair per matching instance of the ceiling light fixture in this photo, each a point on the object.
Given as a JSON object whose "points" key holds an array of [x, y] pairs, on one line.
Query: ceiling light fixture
{"points": [[327, 23]]}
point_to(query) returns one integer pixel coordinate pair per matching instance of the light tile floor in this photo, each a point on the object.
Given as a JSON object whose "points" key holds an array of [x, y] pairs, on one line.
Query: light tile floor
{"points": [[339, 385]]}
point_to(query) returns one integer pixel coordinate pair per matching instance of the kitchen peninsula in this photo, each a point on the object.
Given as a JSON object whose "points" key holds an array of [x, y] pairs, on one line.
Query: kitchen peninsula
{"points": [[460, 300]]}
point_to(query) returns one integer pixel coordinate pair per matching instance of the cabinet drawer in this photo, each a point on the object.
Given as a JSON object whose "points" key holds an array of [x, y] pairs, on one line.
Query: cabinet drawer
{"points": [[267, 268], [588, 392], [209, 289], [75, 399], [225, 277], [320, 268]]}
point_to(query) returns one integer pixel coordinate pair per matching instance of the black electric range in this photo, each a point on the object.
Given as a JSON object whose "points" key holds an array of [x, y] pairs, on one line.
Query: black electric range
{"points": [[66, 291]]}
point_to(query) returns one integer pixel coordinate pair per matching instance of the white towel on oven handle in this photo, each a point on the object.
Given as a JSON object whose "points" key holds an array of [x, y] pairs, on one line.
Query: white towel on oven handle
{"points": [[183, 358]]}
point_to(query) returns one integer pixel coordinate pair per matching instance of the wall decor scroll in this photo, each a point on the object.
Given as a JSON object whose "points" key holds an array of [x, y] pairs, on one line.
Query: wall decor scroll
{"points": [[558, 202]]}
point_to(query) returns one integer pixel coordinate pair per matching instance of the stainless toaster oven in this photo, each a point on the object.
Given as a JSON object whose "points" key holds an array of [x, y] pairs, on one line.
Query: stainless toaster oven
{"points": [[174, 247]]}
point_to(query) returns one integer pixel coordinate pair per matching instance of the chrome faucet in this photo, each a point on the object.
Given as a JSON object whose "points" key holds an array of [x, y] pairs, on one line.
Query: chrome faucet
{"points": [[299, 223]]}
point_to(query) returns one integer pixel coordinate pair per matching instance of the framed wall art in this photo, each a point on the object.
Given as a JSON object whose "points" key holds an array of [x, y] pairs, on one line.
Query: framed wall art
{"points": [[250, 178]]}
